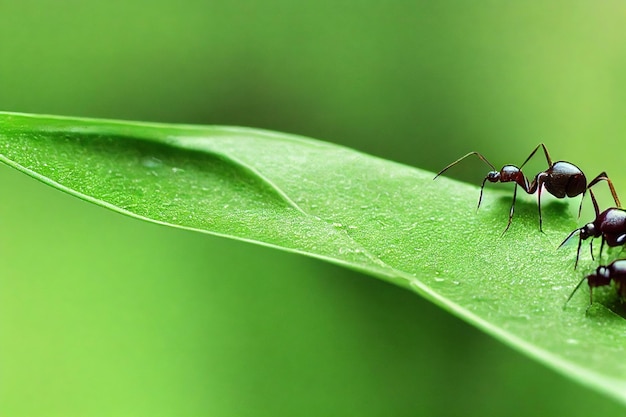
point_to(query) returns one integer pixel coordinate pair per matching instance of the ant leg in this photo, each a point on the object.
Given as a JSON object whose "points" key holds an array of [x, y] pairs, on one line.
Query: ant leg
{"points": [[539, 207], [482, 158], [540, 180], [511, 211], [537, 186], [604, 177], [601, 247], [591, 250], [580, 241], [545, 151], [596, 208], [480, 197], [530, 156], [580, 207]]}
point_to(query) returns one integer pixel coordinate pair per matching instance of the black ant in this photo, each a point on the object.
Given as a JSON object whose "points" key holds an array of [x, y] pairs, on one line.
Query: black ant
{"points": [[561, 179], [610, 225], [616, 272]]}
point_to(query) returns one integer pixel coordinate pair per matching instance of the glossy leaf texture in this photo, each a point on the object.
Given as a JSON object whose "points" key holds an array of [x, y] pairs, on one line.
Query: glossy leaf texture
{"points": [[322, 200]]}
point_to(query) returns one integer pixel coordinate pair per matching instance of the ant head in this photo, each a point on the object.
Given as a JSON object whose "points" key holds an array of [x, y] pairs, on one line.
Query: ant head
{"points": [[493, 176], [602, 272], [587, 231]]}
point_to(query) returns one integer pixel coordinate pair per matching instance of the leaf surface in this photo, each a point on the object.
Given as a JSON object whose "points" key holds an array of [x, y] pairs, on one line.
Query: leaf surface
{"points": [[376, 216]]}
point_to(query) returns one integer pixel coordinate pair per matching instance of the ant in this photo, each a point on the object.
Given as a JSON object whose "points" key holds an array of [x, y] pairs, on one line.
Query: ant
{"points": [[610, 225], [616, 272], [561, 179]]}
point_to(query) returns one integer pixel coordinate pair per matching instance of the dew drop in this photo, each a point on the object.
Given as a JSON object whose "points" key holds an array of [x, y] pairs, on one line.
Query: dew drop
{"points": [[151, 162]]}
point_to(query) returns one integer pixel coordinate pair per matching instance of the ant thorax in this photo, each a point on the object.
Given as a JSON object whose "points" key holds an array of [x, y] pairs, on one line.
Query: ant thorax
{"points": [[613, 218], [509, 173], [512, 173]]}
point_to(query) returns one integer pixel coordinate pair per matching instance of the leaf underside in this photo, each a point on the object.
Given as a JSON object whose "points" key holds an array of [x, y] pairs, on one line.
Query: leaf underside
{"points": [[326, 201]]}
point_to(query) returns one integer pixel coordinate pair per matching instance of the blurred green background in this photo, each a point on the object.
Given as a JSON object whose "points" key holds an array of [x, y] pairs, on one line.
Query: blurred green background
{"points": [[102, 315]]}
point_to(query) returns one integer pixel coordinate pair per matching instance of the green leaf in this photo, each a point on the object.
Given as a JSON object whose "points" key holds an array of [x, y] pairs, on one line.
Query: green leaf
{"points": [[376, 216]]}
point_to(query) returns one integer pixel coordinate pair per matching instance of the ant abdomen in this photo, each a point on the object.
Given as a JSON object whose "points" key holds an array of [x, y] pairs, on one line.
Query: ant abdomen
{"points": [[565, 180]]}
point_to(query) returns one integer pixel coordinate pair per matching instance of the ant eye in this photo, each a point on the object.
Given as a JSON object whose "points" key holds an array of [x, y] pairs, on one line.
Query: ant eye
{"points": [[603, 271]]}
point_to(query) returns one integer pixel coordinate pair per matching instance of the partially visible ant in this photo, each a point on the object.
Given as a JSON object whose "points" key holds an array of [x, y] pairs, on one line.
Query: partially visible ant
{"points": [[615, 271], [561, 179], [610, 225]]}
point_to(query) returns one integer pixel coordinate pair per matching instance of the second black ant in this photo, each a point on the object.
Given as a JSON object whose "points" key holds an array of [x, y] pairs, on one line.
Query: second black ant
{"points": [[561, 179], [610, 225]]}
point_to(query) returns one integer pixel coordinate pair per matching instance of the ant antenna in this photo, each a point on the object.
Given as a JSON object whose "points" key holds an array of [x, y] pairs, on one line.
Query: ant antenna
{"points": [[576, 289], [580, 241], [568, 237], [591, 250], [482, 158], [462, 158]]}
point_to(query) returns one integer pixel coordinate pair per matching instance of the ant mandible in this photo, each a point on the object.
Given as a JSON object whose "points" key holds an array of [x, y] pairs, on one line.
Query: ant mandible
{"points": [[616, 272], [610, 225], [561, 179]]}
